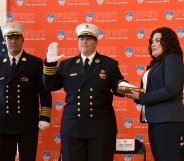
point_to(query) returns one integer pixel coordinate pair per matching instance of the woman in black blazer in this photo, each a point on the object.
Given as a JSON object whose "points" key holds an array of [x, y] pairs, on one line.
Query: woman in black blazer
{"points": [[163, 109]]}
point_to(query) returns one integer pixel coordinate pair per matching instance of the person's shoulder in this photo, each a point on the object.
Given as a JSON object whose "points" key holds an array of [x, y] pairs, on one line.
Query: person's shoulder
{"points": [[3, 58], [33, 57], [71, 59], [107, 58], [173, 56]]}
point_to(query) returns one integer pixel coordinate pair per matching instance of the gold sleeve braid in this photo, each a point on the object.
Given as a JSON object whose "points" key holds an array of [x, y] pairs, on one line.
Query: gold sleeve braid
{"points": [[46, 111], [49, 70]]}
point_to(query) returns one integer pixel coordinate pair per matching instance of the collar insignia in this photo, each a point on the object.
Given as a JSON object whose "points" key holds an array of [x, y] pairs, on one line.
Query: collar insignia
{"points": [[4, 60], [78, 61], [24, 59], [97, 60]]}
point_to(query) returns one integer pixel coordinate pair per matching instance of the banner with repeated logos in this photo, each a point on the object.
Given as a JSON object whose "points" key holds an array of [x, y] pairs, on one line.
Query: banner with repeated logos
{"points": [[125, 29]]}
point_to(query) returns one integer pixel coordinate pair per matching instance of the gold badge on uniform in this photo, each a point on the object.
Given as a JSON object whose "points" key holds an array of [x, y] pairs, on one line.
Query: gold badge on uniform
{"points": [[24, 79], [78, 61], [24, 59], [103, 74], [5, 60]]}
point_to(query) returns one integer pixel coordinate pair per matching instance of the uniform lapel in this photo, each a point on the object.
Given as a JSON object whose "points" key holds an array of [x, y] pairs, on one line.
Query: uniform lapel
{"points": [[151, 70], [20, 67], [92, 68]]}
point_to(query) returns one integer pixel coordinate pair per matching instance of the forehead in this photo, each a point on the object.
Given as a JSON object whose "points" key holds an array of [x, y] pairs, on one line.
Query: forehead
{"points": [[157, 35], [87, 37], [14, 36]]}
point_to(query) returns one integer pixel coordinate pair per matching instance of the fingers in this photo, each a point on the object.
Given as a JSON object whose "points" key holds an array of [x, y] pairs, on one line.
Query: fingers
{"points": [[53, 48]]}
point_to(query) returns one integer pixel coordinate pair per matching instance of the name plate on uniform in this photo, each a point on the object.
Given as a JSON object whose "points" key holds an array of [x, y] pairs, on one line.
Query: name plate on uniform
{"points": [[125, 144]]}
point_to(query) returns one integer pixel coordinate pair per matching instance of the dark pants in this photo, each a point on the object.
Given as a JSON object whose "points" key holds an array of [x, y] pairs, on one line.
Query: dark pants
{"points": [[165, 140], [93, 149], [27, 144]]}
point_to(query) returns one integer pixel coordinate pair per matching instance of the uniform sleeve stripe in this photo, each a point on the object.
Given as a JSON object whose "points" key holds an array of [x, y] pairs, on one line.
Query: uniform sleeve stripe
{"points": [[46, 111]]}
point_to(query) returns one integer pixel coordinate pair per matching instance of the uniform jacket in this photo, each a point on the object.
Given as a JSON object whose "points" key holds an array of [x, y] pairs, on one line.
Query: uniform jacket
{"points": [[163, 97], [20, 91], [88, 111]]}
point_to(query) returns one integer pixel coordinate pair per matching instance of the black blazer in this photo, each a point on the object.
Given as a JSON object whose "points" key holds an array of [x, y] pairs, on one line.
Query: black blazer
{"points": [[88, 111], [163, 97], [20, 91]]}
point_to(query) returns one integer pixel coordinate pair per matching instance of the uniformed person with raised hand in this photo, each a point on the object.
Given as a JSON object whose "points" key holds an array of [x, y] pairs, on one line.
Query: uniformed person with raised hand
{"points": [[88, 125], [21, 94]]}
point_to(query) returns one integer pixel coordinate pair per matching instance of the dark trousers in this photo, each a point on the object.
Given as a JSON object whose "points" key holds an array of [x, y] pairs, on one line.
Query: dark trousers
{"points": [[93, 149], [27, 145], [165, 140]]}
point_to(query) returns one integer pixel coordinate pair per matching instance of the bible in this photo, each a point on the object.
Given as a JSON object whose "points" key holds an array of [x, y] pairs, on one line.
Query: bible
{"points": [[125, 87]]}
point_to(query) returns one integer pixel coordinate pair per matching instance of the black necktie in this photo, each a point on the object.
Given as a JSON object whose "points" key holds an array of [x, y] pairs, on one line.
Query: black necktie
{"points": [[13, 63], [86, 64]]}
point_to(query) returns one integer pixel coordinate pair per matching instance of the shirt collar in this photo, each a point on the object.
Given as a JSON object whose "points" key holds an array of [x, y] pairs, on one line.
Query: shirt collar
{"points": [[17, 57], [90, 57]]}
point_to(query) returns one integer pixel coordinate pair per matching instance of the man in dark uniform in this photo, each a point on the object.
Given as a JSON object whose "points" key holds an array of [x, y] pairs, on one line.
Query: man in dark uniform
{"points": [[21, 92], [88, 126]]}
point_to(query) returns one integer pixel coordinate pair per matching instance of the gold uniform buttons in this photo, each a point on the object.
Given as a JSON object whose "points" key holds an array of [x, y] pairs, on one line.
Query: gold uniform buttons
{"points": [[18, 107], [6, 101], [18, 90], [7, 107], [7, 86], [78, 97], [79, 90], [18, 101], [91, 115], [91, 89], [7, 97], [18, 112], [91, 109], [7, 90], [18, 86], [7, 111], [78, 103], [91, 97], [91, 103], [78, 109], [78, 115], [18, 96]]}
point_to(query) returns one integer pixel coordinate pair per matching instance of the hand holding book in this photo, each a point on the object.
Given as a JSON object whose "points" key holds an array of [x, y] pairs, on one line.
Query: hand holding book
{"points": [[125, 87]]}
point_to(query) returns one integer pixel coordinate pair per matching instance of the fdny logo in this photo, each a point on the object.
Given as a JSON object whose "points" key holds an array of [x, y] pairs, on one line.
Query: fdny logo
{"points": [[61, 2], [50, 17], [57, 138], [180, 32], [100, 2], [101, 35], [20, 2], [140, 33], [9, 17], [129, 16], [58, 105], [128, 52], [139, 137], [60, 34], [46, 155], [169, 14], [127, 157], [89, 16], [128, 122], [140, 1], [140, 69]]}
